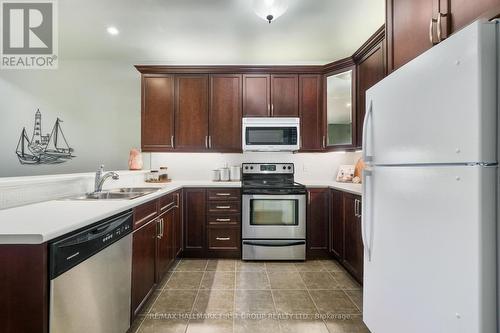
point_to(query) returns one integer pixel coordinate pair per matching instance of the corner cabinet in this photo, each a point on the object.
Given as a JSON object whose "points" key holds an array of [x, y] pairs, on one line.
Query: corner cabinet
{"points": [[370, 69], [311, 112]]}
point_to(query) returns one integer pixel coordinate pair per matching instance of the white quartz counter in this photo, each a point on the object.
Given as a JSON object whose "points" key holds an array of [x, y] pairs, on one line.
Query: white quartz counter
{"points": [[44, 221]]}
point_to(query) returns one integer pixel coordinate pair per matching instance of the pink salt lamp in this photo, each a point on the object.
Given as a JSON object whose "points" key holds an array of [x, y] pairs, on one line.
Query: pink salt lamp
{"points": [[135, 160]]}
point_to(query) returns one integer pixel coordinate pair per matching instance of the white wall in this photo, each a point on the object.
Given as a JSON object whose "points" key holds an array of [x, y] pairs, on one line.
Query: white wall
{"points": [[99, 102], [308, 167]]}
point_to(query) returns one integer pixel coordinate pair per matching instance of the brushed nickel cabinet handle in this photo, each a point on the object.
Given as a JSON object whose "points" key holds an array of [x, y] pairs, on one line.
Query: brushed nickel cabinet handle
{"points": [[324, 141], [172, 141], [439, 27], [223, 220], [431, 31], [272, 109], [222, 207], [206, 141], [269, 108], [223, 238], [210, 141], [223, 194]]}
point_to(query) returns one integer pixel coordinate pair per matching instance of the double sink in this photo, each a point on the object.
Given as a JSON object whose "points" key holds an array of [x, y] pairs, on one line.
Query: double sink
{"points": [[123, 193]]}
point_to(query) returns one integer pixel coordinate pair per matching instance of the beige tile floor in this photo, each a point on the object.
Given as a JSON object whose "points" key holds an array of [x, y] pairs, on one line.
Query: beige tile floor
{"points": [[202, 296]]}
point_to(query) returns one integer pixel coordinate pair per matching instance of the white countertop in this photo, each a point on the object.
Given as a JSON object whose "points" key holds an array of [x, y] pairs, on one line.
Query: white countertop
{"points": [[44, 221]]}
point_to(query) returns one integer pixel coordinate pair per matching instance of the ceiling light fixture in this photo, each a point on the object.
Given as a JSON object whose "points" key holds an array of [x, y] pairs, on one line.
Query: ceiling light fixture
{"points": [[112, 31], [270, 10]]}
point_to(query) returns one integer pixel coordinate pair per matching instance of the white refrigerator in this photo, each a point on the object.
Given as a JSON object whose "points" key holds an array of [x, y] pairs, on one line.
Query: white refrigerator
{"points": [[430, 190]]}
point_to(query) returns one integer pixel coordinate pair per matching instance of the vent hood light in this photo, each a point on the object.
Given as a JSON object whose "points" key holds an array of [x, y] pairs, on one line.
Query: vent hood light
{"points": [[270, 10]]}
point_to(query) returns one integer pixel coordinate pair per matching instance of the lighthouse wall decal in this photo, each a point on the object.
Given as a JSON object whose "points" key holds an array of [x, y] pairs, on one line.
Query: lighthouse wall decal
{"points": [[51, 148]]}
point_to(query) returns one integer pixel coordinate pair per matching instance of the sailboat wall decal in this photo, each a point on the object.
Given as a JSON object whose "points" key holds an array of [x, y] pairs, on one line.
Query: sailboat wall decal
{"points": [[51, 148]]}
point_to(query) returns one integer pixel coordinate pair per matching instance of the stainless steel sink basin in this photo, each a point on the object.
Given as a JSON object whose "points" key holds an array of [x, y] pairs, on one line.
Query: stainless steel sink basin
{"points": [[124, 193], [134, 189]]}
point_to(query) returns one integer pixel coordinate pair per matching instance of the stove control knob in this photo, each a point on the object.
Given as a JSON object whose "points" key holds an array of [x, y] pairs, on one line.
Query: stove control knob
{"points": [[284, 167], [246, 168], [289, 168], [251, 168]]}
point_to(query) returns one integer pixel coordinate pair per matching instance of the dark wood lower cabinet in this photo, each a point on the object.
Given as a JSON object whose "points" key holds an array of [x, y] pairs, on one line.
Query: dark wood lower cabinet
{"points": [[353, 243], [336, 224], [195, 205], [346, 244], [143, 264], [24, 294], [317, 222], [156, 243], [165, 244]]}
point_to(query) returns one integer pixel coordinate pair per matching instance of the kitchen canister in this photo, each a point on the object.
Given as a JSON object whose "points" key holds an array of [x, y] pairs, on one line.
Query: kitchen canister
{"points": [[225, 175], [235, 173], [216, 175]]}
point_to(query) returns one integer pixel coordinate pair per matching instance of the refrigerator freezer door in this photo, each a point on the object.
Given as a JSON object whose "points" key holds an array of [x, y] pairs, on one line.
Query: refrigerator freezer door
{"points": [[440, 107], [430, 232]]}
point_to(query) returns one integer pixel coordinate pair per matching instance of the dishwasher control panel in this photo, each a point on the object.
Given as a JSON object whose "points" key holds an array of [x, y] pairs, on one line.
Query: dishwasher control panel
{"points": [[69, 250]]}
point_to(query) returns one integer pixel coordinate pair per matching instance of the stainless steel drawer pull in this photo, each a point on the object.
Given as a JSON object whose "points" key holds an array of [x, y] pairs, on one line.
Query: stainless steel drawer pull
{"points": [[223, 238], [223, 220], [223, 194], [223, 207]]}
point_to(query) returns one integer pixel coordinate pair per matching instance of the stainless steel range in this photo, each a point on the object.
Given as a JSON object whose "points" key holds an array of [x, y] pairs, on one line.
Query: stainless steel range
{"points": [[274, 213]]}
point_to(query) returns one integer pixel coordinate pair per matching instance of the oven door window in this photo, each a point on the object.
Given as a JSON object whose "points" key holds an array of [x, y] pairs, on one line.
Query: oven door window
{"points": [[274, 212], [284, 136]]}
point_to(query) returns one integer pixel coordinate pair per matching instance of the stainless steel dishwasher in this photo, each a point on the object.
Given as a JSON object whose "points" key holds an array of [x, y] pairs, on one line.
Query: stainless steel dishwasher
{"points": [[90, 278]]}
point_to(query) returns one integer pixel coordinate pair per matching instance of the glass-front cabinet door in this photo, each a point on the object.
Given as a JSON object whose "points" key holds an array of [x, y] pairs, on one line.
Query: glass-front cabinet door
{"points": [[339, 109]]}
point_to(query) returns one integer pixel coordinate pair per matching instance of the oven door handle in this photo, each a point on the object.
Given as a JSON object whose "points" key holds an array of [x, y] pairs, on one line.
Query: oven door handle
{"points": [[273, 243]]}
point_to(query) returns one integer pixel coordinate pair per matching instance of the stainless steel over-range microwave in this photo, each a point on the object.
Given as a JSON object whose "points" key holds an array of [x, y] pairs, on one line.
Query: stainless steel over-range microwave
{"points": [[271, 134]]}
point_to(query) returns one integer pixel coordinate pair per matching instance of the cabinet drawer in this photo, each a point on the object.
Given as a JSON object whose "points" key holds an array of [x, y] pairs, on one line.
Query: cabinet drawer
{"points": [[223, 238], [219, 219], [224, 207], [145, 213], [166, 202], [224, 194]]}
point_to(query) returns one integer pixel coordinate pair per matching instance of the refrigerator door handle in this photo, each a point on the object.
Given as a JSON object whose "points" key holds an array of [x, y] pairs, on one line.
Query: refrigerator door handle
{"points": [[367, 158], [366, 212]]}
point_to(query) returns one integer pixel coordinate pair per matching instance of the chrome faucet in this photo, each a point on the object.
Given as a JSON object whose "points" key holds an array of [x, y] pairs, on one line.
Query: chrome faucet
{"points": [[100, 178]]}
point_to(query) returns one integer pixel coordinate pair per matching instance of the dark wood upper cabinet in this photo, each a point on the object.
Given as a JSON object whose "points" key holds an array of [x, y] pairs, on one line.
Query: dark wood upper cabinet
{"points": [[194, 221], [370, 70], [311, 112], [157, 115], [284, 95], [463, 12], [191, 112], [353, 248], [317, 222], [337, 224], [412, 26], [408, 24], [256, 95], [225, 112]]}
